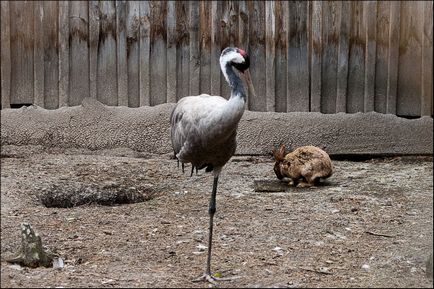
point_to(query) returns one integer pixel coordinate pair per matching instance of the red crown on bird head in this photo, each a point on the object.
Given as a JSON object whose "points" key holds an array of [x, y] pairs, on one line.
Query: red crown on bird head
{"points": [[242, 52]]}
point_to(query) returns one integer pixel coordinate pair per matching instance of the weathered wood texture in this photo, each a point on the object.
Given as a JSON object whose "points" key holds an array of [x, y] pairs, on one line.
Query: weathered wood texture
{"points": [[329, 57]]}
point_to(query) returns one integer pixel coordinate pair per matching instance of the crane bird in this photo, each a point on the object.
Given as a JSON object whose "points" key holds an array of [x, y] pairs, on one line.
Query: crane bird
{"points": [[204, 129]]}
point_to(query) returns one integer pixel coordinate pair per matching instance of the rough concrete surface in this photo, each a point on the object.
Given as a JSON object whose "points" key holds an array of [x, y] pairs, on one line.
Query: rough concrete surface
{"points": [[94, 125]]}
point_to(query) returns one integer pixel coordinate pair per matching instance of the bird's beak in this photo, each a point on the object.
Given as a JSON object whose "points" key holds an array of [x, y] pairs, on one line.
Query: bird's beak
{"points": [[248, 80]]}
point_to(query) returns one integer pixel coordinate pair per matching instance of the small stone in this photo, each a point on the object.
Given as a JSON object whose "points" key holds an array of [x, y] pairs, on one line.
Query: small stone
{"points": [[201, 247], [58, 263], [325, 270], [278, 250], [16, 267], [182, 241], [366, 267]]}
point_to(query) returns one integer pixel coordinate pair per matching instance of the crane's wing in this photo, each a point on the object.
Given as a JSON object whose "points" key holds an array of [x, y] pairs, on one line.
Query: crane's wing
{"points": [[190, 120]]}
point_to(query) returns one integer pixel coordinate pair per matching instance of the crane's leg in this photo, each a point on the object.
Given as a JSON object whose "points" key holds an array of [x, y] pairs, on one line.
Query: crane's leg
{"points": [[211, 212], [212, 209], [192, 169]]}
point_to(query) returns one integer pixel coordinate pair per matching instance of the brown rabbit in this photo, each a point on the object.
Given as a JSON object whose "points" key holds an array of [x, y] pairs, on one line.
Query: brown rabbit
{"points": [[304, 166]]}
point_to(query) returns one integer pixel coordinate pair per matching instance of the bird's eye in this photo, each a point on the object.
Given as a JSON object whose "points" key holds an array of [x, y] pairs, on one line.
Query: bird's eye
{"points": [[244, 65]]}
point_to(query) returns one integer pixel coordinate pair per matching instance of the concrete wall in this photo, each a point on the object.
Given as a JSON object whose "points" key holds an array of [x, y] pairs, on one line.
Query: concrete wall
{"points": [[93, 125]]}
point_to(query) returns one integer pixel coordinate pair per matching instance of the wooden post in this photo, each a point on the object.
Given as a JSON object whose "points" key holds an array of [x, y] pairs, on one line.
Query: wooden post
{"points": [[121, 52], [63, 53], [5, 55]]}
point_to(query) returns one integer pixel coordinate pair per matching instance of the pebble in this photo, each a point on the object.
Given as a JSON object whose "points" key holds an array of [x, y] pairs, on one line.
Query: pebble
{"points": [[16, 267], [58, 263], [201, 247], [366, 267]]}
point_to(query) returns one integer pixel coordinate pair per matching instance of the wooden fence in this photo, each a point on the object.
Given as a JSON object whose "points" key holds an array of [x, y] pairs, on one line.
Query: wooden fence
{"points": [[305, 55]]}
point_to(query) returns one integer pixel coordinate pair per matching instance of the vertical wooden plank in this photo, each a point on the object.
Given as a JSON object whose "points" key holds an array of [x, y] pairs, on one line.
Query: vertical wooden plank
{"points": [[22, 61], [270, 50], [316, 51], [51, 54], [229, 35], [410, 59], [121, 53], [194, 48], [243, 36], [38, 54], [234, 27], [356, 69], [205, 47], [94, 31], [182, 49], [106, 74], [257, 53], [225, 42], [145, 54], [331, 14], [370, 15], [393, 57], [63, 53], [282, 15], [243, 25], [215, 47], [5, 66], [298, 57], [79, 52], [341, 95], [158, 60], [171, 51], [133, 28], [427, 60], [382, 52]]}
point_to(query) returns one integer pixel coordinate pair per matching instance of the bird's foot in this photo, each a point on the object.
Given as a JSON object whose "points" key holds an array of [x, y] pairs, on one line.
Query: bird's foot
{"points": [[213, 279]]}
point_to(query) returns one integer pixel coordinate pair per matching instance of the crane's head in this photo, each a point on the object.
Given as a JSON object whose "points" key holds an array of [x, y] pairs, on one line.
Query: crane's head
{"points": [[236, 57]]}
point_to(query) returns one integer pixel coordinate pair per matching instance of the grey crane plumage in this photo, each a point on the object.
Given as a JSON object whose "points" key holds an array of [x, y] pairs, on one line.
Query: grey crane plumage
{"points": [[204, 128]]}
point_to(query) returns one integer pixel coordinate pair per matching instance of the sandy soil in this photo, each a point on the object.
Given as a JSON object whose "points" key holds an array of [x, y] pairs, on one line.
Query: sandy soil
{"points": [[369, 225]]}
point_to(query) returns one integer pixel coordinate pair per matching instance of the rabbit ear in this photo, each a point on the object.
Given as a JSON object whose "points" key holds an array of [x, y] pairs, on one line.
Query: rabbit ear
{"points": [[279, 154], [282, 150], [275, 154]]}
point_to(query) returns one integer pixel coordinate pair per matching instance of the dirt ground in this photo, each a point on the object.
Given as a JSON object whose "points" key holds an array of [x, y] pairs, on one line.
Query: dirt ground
{"points": [[369, 225]]}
